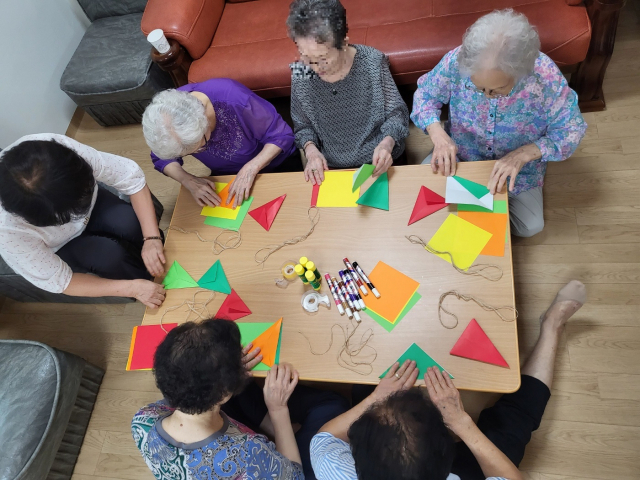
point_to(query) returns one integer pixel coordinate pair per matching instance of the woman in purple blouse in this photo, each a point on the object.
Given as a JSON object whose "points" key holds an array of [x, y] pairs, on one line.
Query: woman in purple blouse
{"points": [[224, 125]]}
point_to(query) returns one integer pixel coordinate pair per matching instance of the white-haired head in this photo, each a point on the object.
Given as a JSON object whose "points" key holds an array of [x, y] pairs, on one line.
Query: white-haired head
{"points": [[174, 124], [501, 40]]}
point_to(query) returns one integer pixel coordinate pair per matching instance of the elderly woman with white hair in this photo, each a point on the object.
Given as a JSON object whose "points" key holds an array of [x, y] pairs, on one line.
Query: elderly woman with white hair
{"points": [[507, 102], [224, 125]]}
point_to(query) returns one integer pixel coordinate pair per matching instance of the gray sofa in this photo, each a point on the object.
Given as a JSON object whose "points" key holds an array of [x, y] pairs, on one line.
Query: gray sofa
{"points": [[46, 400]]}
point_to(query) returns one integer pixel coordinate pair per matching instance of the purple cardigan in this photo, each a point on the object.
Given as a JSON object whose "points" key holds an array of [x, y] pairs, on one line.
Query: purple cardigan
{"points": [[245, 123]]}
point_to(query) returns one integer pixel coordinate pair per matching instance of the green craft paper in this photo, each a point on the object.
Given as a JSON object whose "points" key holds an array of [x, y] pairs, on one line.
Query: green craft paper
{"points": [[499, 206], [361, 175], [228, 223], [422, 359], [215, 279], [377, 195], [388, 326], [249, 331], [177, 277], [474, 188], [261, 367]]}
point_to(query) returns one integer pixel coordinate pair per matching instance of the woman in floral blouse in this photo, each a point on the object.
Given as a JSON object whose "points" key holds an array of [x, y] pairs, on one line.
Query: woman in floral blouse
{"points": [[507, 102]]}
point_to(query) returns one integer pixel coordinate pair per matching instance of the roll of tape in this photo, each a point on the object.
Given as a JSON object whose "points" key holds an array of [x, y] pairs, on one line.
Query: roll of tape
{"points": [[288, 272], [311, 301]]}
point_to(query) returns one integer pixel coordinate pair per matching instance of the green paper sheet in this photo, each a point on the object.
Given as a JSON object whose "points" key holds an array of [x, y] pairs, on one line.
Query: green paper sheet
{"points": [[215, 279], [177, 277], [377, 195], [388, 326], [422, 359], [261, 367], [249, 331], [361, 175], [476, 189], [231, 224], [499, 206]]}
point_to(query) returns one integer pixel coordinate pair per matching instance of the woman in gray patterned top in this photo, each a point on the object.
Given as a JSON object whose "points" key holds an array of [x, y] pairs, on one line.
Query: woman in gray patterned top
{"points": [[345, 106]]}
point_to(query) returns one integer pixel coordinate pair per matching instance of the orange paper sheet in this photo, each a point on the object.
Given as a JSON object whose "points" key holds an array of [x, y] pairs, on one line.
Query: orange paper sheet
{"points": [[396, 289], [268, 343], [224, 197], [495, 223]]}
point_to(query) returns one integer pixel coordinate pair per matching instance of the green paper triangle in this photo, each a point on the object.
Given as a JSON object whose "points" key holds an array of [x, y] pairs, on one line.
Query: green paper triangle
{"points": [[377, 195], [474, 188], [499, 206], [388, 326], [361, 175], [177, 277], [249, 331], [215, 279], [228, 223], [422, 359]]}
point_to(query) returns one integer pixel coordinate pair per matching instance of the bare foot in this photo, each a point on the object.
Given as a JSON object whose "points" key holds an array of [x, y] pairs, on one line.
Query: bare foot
{"points": [[567, 302]]}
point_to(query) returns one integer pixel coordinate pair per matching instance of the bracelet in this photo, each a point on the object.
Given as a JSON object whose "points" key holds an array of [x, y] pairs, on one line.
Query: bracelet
{"points": [[144, 239]]}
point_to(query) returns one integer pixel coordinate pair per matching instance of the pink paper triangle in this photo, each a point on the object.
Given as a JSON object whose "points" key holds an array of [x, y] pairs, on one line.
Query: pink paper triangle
{"points": [[233, 308], [427, 203], [476, 345], [266, 214]]}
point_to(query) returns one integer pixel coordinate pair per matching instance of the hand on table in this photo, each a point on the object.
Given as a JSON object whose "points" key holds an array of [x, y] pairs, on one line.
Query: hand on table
{"points": [[149, 293], [203, 191], [509, 166], [251, 358], [444, 156], [153, 257], [397, 378], [241, 187], [316, 165], [279, 385], [382, 158], [446, 397]]}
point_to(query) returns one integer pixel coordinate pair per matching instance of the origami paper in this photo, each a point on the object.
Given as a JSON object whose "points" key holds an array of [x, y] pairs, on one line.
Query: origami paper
{"points": [[231, 224], [225, 201], [314, 195], [144, 343], [268, 343], [387, 325], [495, 223], [461, 190], [422, 359], [377, 195], [233, 308], [396, 289], [499, 206], [266, 214], [427, 203], [177, 277], [249, 331], [215, 279], [335, 191], [474, 344], [221, 211], [462, 239], [361, 175]]}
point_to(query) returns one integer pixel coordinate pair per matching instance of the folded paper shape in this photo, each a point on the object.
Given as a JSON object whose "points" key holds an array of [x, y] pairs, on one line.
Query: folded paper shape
{"points": [[144, 343], [361, 175], [268, 343], [461, 190], [222, 210], [462, 239], [499, 206], [233, 308], [386, 324], [377, 195], [335, 191], [427, 203], [396, 289], [215, 279], [494, 223], [422, 359], [228, 223], [249, 331], [266, 214], [177, 277], [474, 344]]}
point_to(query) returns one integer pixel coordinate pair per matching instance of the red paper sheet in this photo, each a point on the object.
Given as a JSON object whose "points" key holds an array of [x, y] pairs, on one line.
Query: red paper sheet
{"points": [[144, 343], [476, 345]]}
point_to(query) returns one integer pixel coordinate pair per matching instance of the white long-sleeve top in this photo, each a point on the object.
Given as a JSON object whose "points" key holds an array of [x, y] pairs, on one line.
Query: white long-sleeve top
{"points": [[31, 251]]}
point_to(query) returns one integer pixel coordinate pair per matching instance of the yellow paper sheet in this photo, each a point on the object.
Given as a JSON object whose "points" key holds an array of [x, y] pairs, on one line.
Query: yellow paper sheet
{"points": [[396, 289], [462, 239], [335, 191], [220, 212]]}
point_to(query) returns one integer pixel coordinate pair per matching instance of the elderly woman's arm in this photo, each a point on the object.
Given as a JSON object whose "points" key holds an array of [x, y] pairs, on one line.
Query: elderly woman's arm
{"points": [[202, 190]]}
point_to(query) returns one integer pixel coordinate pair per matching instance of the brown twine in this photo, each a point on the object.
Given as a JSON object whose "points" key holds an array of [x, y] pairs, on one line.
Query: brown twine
{"points": [[217, 246], [350, 351], [199, 308], [477, 269], [467, 298], [271, 249]]}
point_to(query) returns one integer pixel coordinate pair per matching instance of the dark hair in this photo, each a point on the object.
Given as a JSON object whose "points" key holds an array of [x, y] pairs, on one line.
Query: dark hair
{"points": [[199, 364], [403, 438], [324, 20], [45, 183]]}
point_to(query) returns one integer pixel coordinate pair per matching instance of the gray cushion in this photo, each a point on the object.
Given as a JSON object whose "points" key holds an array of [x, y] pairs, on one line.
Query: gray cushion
{"points": [[95, 9]]}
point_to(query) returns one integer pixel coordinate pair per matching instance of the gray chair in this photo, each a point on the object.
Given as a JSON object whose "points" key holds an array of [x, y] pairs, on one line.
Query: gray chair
{"points": [[46, 400], [111, 75]]}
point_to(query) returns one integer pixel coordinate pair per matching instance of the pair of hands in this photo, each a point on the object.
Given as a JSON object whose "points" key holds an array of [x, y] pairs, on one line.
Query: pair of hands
{"points": [[149, 293], [317, 164], [204, 193]]}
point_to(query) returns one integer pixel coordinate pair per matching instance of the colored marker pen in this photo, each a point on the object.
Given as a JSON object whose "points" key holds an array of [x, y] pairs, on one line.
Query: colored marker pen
{"points": [[343, 300], [347, 295], [351, 288], [299, 269], [355, 276], [366, 279], [327, 277]]}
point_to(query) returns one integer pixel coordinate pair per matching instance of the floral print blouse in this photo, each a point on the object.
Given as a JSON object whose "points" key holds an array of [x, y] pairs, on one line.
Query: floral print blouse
{"points": [[541, 109]]}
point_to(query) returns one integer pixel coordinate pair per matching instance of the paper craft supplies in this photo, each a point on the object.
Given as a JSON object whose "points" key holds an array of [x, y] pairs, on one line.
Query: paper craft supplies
{"points": [[144, 343], [266, 214], [474, 344], [361, 175], [422, 359], [177, 277], [494, 223], [267, 336], [387, 325], [215, 279], [461, 190], [377, 195], [336, 191], [427, 203], [462, 239], [233, 308], [396, 290], [223, 210], [231, 224]]}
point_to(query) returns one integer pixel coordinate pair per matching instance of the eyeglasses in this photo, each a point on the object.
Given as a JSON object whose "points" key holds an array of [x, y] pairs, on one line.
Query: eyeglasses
{"points": [[489, 94]]}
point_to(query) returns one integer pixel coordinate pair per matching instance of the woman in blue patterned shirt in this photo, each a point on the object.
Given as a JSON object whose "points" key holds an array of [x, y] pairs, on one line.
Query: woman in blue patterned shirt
{"points": [[507, 102]]}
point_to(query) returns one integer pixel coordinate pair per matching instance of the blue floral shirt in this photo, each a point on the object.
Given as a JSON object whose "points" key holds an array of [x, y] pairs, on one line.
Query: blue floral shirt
{"points": [[541, 109]]}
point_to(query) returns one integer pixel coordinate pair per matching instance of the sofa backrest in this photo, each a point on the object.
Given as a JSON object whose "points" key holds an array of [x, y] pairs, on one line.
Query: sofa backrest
{"points": [[96, 9]]}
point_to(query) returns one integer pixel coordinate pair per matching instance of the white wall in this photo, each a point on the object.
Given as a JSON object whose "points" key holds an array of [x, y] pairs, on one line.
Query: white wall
{"points": [[38, 38]]}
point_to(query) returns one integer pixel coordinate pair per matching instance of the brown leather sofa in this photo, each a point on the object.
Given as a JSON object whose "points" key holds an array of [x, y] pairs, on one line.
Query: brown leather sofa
{"points": [[247, 40]]}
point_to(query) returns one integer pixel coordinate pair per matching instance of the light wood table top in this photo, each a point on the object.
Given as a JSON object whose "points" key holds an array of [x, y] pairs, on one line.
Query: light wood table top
{"points": [[366, 235]]}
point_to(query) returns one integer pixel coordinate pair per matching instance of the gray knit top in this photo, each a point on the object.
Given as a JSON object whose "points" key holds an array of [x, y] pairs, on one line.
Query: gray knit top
{"points": [[347, 119]]}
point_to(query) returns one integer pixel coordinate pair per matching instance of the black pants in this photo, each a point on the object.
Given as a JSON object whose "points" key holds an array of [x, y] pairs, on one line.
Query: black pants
{"points": [[110, 246], [309, 407]]}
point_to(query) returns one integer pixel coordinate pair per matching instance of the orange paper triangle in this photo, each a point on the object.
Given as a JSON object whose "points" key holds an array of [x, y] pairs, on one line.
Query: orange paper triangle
{"points": [[476, 345], [266, 214], [224, 197], [233, 308], [268, 343]]}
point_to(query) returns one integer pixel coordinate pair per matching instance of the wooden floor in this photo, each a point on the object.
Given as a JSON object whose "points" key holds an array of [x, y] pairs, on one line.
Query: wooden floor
{"points": [[591, 429]]}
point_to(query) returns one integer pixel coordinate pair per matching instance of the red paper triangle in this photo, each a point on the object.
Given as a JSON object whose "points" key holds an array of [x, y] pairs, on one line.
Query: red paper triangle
{"points": [[427, 203], [266, 214], [233, 308], [475, 345]]}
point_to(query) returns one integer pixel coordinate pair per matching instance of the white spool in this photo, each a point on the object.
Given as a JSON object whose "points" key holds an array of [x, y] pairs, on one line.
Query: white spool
{"points": [[311, 301], [158, 40]]}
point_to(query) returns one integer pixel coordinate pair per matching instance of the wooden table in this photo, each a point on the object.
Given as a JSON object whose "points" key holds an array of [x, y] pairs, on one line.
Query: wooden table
{"points": [[365, 235]]}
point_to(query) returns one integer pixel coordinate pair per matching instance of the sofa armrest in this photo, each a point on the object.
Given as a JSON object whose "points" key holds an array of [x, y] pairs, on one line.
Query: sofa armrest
{"points": [[573, 3], [192, 23]]}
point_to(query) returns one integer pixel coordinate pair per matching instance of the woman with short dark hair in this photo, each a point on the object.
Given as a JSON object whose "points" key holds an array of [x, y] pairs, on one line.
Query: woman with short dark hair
{"points": [[57, 225]]}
